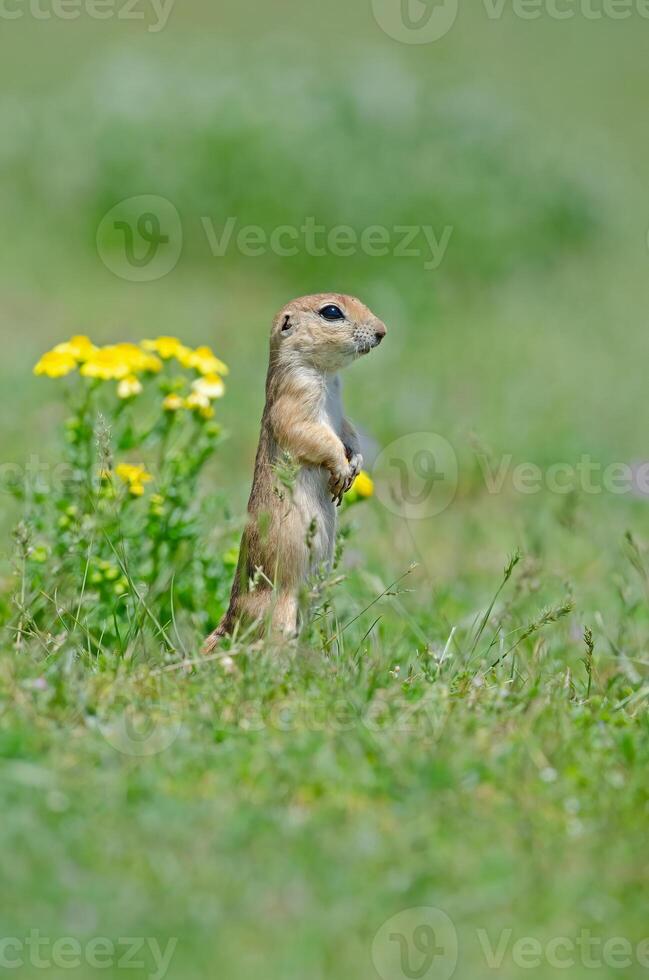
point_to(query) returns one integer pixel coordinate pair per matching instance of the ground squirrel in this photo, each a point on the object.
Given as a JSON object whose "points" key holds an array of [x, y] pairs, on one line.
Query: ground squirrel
{"points": [[291, 532]]}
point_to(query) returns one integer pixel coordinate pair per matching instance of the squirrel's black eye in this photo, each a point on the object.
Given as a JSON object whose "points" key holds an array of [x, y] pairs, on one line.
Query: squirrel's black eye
{"points": [[331, 313]]}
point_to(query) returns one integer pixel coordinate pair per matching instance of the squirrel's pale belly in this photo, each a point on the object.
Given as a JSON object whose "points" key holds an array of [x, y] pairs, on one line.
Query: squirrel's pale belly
{"points": [[312, 497], [312, 494]]}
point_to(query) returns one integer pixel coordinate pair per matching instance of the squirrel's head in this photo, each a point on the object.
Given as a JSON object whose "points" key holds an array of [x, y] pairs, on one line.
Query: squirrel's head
{"points": [[327, 331]]}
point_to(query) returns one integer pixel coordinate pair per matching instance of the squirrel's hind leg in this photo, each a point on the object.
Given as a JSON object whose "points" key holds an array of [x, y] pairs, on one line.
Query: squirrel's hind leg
{"points": [[214, 638], [280, 611], [285, 614]]}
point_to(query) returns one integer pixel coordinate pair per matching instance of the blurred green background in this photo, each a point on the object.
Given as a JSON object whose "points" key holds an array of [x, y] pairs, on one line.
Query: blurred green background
{"points": [[527, 137]]}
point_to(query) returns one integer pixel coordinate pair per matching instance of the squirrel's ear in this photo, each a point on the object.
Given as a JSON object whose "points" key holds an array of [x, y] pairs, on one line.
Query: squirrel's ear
{"points": [[287, 326]]}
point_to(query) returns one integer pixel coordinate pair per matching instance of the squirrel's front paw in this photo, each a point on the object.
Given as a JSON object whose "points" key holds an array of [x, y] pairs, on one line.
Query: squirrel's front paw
{"points": [[338, 483], [355, 466]]}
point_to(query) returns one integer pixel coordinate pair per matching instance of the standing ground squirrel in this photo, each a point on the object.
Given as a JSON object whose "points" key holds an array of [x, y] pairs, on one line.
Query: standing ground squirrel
{"points": [[290, 535]]}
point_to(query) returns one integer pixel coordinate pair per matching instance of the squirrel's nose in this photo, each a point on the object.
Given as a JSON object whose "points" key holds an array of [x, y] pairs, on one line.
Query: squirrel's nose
{"points": [[380, 331]]}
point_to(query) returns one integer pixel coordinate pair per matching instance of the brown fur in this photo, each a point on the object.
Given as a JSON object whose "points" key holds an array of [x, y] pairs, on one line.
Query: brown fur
{"points": [[290, 534]]}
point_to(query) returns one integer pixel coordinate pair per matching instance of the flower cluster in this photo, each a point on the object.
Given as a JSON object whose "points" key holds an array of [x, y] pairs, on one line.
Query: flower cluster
{"points": [[138, 438], [115, 362], [202, 359], [135, 477], [177, 378], [129, 363], [204, 391]]}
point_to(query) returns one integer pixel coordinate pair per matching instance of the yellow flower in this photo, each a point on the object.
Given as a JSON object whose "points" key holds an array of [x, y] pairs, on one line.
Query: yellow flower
{"points": [[106, 365], [166, 347], [363, 485], [55, 364], [119, 361], [79, 347], [197, 400], [211, 386], [200, 403], [134, 476], [129, 387], [137, 359], [173, 403], [361, 488], [203, 360]]}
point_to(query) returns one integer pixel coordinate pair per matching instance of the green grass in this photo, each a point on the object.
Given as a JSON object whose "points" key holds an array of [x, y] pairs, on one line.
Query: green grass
{"points": [[307, 795], [299, 800]]}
